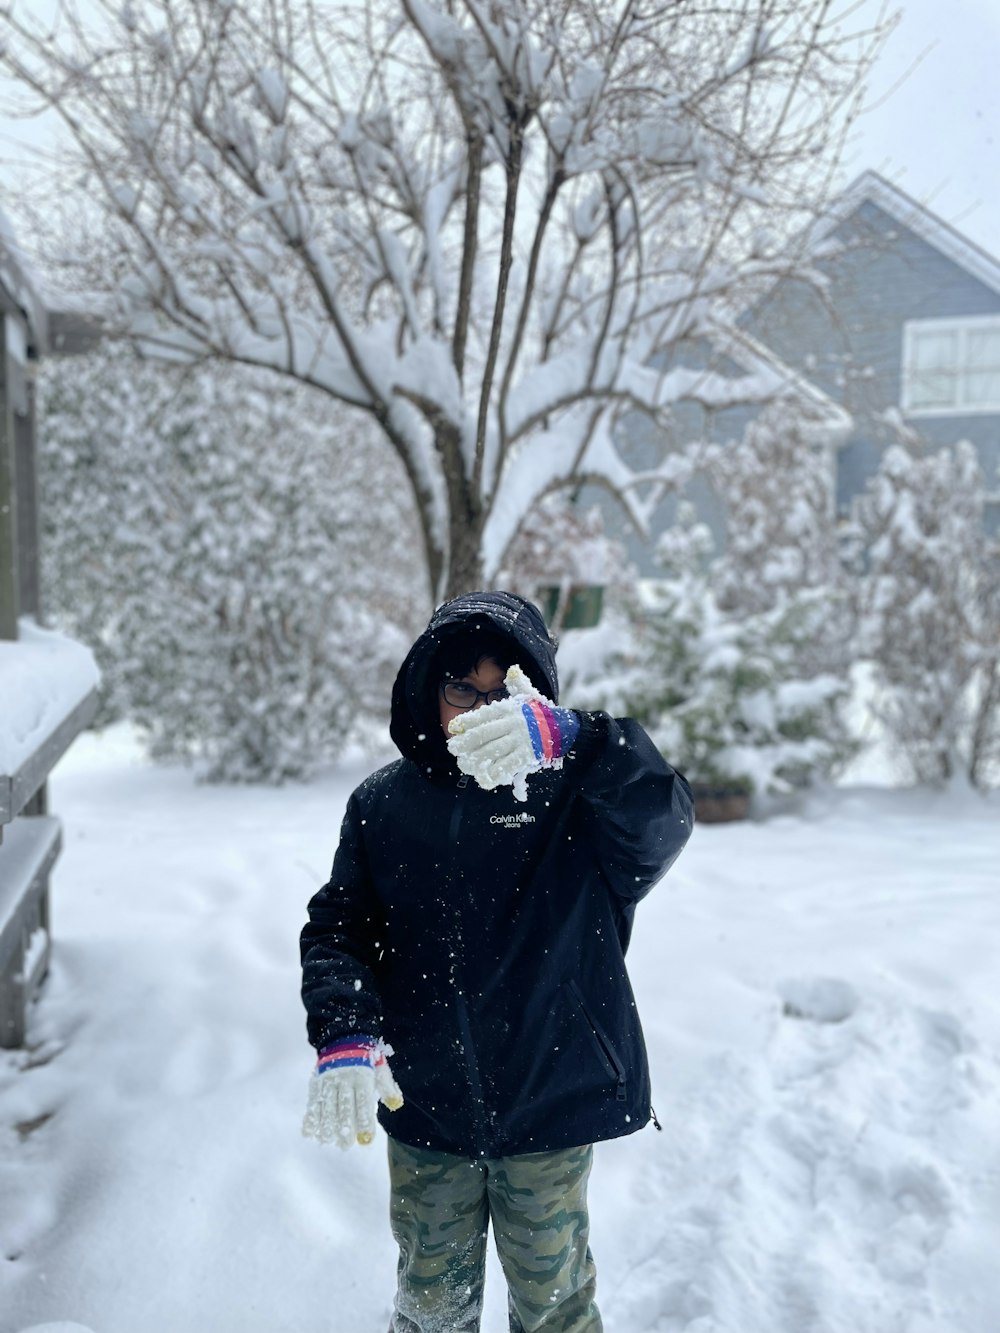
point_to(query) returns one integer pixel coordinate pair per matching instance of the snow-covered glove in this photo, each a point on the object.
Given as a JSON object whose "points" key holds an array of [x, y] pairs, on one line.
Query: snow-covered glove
{"points": [[500, 744], [350, 1078]]}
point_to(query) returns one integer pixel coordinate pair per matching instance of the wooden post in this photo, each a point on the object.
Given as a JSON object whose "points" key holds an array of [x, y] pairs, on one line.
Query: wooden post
{"points": [[9, 576], [26, 471]]}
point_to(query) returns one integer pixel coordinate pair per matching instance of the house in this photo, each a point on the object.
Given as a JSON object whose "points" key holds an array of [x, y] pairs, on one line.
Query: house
{"points": [[898, 324], [905, 326], [730, 355]]}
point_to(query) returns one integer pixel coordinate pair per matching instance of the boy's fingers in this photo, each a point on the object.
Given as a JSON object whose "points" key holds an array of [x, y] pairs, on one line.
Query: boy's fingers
{"points": [[479, 744], [343, 1126], [518, 684], [388, 1090], [364, 1112], [481, 729], [479, 720]]}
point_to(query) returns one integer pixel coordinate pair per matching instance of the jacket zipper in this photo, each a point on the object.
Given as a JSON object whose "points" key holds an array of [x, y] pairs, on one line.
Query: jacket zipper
{"points": [[468, 1049], [603, 1044], [455, 822]]}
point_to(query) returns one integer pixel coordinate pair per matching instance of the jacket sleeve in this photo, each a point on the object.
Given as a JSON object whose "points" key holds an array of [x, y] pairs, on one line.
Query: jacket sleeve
{"points": [[639, 810], [340, 945]]}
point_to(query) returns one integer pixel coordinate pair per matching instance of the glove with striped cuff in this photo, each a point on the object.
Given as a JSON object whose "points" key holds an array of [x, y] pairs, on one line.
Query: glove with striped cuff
{"points": [[500, 744], [351, 1076]]}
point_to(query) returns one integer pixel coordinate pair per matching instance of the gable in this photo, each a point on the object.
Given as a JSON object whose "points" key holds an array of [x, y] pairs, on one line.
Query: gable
{"points": [[871, 188], [897, 290], [878, 274], [884, 264]]}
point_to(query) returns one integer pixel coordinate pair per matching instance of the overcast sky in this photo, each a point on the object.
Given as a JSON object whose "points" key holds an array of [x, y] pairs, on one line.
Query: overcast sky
{"points": [[933, 123], [937, 134]]}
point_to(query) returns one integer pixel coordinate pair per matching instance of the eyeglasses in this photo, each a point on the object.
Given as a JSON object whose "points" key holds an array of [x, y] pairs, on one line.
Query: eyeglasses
{"points": [[460, 694]]}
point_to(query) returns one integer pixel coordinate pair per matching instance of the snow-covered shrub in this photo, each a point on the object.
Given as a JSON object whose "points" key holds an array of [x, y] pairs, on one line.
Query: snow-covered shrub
{"points": [[738, 661], [725, 694], [238, 556], [930, 610], [747, 651], [782, 548]]}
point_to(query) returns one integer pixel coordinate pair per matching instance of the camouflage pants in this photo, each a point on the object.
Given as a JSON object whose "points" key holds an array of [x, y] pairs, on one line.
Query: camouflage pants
{"points": [[441, 1207]]}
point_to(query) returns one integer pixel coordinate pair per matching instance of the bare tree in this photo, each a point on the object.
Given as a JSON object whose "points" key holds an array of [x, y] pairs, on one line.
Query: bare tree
{"points": [[486, 223]]}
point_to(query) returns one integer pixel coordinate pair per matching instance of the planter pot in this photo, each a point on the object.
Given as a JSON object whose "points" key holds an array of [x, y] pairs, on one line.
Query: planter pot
{"points": [[715, 803]]}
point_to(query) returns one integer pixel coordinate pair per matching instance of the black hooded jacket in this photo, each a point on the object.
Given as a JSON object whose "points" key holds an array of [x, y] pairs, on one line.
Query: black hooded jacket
{"points": [[484, 938]]}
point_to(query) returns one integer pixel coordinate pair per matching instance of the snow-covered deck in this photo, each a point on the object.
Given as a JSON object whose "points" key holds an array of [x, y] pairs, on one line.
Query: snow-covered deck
{"points": [[47, 697]]}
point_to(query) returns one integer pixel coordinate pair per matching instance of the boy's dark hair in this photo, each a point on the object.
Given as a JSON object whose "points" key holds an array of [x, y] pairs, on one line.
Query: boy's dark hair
{"points": [[461, 653]]}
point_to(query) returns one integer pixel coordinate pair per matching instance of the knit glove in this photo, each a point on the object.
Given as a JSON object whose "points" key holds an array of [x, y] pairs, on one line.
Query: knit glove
{"points": [[350, 1078], [499, 745]]}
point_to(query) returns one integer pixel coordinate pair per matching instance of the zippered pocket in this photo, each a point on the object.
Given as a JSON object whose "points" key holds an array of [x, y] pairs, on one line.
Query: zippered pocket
{"points": [[602, 1044]]}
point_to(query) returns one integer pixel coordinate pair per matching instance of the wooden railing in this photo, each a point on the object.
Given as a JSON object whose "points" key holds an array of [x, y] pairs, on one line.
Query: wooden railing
{"points": [[29, 836], [30, 840]]}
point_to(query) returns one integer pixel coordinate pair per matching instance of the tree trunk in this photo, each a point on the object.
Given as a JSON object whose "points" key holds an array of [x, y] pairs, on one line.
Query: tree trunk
{"points": [[984, 727], [466, 520], [465, 561]]}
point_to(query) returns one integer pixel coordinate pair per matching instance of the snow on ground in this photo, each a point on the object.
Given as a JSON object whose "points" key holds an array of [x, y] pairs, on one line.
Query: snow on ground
{"points": [[820, 1000]]}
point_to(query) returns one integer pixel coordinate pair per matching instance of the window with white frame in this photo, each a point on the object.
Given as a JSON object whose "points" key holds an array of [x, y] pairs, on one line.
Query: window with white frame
{"points": [[951, 365]]}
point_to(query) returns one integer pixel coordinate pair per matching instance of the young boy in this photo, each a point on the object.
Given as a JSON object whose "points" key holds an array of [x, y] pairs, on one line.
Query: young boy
{"points": [[474, 929]]}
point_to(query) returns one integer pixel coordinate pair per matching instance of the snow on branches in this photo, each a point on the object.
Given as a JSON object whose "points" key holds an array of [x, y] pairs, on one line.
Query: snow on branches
{"points": [[776, 485], [929, 594], [481, 222], [202, 535]]}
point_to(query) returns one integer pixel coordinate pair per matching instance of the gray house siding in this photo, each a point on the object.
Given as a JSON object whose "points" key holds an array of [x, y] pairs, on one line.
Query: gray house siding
{"points": [[645, 445], [848, 340]]}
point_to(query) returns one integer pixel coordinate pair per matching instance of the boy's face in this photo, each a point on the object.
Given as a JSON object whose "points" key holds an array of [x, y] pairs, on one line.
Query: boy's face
{"points": [[488, 675]]}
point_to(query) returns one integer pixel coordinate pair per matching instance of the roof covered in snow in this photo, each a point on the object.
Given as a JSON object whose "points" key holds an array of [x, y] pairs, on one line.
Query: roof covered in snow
{"points": [[872, 188]]}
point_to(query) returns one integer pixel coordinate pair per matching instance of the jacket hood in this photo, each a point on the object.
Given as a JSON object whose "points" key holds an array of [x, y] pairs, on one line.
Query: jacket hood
{"points": [[415, 725]]}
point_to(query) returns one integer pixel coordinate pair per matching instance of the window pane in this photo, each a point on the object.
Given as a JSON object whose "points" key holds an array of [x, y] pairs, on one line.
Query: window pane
{"points": [[933, 370], [982, 367]]}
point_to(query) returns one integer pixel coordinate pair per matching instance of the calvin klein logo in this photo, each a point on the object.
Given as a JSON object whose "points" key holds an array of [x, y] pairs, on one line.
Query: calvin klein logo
{"points": [[513, 821]]}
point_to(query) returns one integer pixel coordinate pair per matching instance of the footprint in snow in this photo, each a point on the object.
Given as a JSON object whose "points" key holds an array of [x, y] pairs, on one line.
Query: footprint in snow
{"points": [[205, 1059], [818, 999]]}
